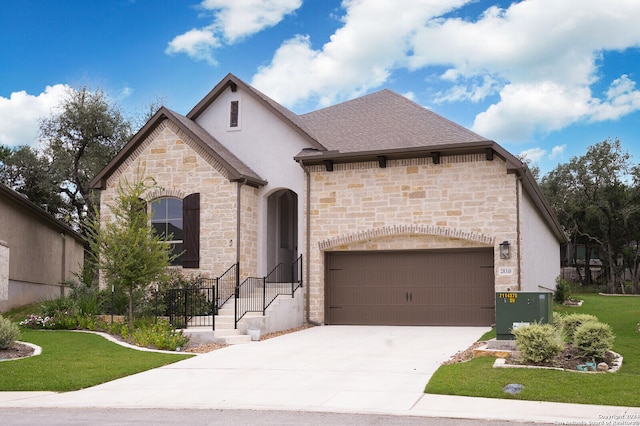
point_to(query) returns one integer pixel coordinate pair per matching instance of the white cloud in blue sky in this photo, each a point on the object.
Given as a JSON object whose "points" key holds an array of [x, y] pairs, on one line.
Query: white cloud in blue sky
{"points": [[20, 113], [232, 21], [544, 77]]}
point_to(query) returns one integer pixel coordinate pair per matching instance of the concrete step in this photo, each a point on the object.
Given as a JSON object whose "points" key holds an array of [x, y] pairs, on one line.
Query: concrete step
{"points": [[204, 335]]}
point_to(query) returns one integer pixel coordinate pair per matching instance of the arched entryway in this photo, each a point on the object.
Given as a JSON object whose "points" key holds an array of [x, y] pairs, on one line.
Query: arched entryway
{"points": [[282, 229]]}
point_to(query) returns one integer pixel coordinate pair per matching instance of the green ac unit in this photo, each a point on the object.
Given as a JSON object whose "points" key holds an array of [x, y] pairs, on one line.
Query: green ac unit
{"points": [[518, 308]]}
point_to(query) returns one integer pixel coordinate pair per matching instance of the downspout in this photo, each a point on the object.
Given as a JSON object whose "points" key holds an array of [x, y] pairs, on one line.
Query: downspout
{"points": [[308, 247], [518, 185]]}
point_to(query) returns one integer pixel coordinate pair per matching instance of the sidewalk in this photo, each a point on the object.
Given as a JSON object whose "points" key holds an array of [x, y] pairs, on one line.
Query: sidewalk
{"points": [[378, 370]]}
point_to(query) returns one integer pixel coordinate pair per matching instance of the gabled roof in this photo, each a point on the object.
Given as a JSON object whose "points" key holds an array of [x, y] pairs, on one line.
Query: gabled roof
{"points": [[237, 170], [287, 116], [26, 205]]}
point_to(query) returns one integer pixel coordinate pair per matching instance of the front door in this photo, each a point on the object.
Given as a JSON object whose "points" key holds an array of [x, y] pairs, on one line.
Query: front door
{"points": [[282, 232]]}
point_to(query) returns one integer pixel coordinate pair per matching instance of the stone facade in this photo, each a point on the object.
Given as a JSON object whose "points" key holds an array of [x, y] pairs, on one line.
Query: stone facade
{"points": [[181, 167], [465, 201], [475, 195]]}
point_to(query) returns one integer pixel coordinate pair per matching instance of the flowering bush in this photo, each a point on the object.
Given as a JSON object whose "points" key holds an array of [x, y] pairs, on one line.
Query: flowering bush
{"points": [[59, 320], [37, 321]]}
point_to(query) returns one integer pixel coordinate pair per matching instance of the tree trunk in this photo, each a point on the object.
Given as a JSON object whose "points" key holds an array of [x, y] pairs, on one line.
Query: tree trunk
{"points": [[130, 307], [611, 279], [587, 263], [574, 258]]}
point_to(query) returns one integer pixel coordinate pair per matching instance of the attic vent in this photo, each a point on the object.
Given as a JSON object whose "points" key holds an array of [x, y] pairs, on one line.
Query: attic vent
{"points": [[234, 113]]}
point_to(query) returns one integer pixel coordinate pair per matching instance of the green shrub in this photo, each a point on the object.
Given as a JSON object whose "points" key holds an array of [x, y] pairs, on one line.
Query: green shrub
{"points": [[538, 343], [48, 308], [161, 335], [567, 324], [9, 333], [593, 339], [563, 291]]}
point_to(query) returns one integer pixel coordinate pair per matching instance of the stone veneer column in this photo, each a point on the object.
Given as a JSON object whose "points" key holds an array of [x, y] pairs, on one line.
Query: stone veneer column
{"points": [[4, 271]]}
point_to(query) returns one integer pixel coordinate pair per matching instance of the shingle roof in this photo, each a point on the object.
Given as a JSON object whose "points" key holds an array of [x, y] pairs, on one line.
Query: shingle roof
{"points": [[382, 121]]}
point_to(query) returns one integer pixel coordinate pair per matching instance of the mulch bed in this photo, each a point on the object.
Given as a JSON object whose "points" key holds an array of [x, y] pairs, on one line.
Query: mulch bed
{"points": [[18, 350], [567, 359]]}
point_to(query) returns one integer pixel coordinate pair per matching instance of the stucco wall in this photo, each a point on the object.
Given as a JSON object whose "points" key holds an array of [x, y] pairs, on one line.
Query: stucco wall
{"points": [[38, 256], [180, 168], [267, 145], [465, 201], [540, 251]]}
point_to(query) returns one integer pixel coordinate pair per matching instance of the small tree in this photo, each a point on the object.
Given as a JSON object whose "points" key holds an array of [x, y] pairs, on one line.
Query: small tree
{"points": [[127, 249]]}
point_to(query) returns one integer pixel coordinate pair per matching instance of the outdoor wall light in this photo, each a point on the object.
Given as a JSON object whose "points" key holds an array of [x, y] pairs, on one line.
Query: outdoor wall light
{"points": [[505, 250]]}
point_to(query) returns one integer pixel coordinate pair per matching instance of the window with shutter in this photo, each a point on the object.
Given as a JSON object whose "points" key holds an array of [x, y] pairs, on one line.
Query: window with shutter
{"points": [[167, 220]]}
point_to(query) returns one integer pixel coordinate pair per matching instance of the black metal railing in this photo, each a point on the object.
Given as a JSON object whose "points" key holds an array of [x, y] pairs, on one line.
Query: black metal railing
{"points": [[257, 294], [191, 307], [198, 305], [226, 285]]}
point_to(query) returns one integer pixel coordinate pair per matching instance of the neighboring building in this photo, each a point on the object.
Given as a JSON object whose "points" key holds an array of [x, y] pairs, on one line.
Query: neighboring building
{"points": [[38, 253], [398, 212]]}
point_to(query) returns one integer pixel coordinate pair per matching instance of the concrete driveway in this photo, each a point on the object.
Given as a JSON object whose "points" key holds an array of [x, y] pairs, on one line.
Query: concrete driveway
{"points": [[329, 368]]}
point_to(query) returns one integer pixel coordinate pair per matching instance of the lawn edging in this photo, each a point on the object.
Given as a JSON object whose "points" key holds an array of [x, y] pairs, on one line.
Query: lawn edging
{"points": [[113, 339], [502, 363]]}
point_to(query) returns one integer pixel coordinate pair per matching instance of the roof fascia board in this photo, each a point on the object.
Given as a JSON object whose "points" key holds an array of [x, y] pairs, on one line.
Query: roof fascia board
{"points": [[413, 152]]}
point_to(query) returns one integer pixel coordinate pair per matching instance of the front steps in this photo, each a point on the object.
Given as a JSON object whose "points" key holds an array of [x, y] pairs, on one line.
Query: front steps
{"points": [[225, 333], [284, 313]]}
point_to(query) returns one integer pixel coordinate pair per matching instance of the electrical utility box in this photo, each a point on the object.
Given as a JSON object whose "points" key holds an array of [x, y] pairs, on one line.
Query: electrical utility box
{"points": [[517, 308]]}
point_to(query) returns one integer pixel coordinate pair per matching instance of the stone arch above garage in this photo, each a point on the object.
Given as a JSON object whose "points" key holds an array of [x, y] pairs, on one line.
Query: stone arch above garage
{"points": [[477, 238]]}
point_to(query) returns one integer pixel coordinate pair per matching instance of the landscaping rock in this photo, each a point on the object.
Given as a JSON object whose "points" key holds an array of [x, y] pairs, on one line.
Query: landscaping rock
{"points": [[513, 388], [603, 366]]}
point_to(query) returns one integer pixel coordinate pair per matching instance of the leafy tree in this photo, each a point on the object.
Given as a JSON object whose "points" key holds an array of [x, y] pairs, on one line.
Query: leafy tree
{"points": [[80, 140], [127, 249], [591, 196], [29, 173]]}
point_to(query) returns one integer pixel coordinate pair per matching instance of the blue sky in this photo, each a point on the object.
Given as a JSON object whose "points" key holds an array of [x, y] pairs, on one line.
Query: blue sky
{"points": [[545, 78]]}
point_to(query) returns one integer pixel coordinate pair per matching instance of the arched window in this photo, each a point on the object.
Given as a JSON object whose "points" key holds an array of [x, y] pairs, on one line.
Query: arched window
{"points": [[166, 219]]}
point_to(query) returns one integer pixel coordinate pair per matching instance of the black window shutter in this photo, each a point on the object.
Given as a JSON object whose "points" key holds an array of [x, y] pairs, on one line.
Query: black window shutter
{"points": [[191, 231]]}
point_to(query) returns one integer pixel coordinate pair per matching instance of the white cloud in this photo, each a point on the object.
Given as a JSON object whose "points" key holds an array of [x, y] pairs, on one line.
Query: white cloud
{"points": [[557, 151], [527, 108], [198, 44], [538, 58], [621, 99], [20, 114], [239, 19], [232, 21], [359, 56], [537, 155], [545, 54], [533, 154]]}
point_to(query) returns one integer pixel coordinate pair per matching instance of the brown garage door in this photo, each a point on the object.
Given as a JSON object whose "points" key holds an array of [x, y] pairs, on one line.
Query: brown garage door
{"points": [[430, 287]]}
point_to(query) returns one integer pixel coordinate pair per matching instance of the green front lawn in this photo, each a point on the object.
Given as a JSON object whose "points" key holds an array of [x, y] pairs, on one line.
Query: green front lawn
{"points": [[72, 361], [478, 377]]}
